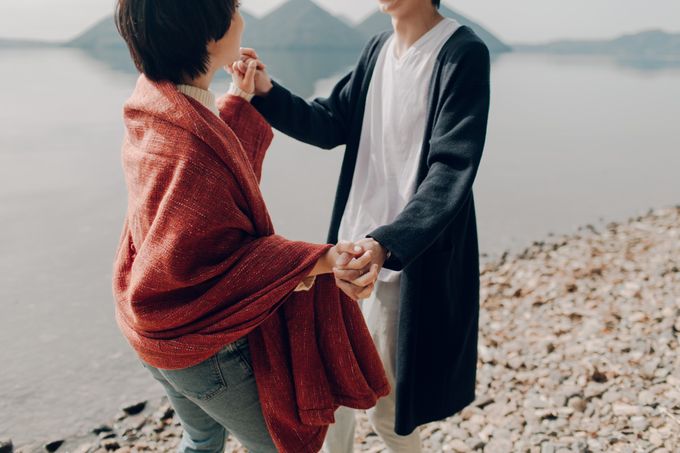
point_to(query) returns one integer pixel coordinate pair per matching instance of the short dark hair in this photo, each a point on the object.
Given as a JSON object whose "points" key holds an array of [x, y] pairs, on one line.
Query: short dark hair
{"points": [[168, 39], [436, 3]]}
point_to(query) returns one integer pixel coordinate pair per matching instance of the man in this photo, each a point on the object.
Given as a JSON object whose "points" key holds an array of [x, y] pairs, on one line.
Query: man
{"points": [[413, 116]]}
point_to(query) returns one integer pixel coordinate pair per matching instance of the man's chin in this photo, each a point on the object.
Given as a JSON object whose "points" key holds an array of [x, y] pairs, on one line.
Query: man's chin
{"points": [[386, 6]]}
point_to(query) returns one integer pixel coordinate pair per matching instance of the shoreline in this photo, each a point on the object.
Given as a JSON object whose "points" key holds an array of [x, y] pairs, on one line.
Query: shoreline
{"points": [[579, 351]]}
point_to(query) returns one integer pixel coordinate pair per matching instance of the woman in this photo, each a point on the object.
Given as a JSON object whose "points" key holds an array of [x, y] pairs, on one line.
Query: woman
{"points": [[212, 301]]}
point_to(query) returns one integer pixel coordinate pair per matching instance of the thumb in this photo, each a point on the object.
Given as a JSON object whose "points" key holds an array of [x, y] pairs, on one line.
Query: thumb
{"points": [[349, 247], [249, 78]]}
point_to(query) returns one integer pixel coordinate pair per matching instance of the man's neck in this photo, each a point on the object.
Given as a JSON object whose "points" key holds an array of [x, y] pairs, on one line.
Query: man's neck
{"points": [[413, 26]]}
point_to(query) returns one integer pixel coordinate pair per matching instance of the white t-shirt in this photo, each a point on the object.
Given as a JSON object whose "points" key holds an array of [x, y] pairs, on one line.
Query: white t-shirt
{"points": [[392, 136]]}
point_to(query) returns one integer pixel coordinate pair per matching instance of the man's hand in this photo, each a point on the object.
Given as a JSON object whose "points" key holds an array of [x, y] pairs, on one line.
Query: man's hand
{"points": [[263, 83], [356, 275]]}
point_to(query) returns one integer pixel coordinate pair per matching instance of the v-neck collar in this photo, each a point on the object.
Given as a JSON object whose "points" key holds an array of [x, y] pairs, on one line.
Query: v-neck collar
{"points": [[416, 45]]}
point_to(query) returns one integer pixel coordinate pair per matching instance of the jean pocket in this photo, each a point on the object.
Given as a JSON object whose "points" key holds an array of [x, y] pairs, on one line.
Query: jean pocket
{"points": [[235, 360], [200, 382], [243, 349]]}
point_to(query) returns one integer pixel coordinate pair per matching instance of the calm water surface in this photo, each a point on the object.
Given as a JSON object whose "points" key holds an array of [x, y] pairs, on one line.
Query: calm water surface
{"points": [[571, 142]]}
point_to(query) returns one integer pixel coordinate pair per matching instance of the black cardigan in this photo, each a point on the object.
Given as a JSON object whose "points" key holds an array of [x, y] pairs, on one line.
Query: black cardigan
{"points": [[434, 239]]}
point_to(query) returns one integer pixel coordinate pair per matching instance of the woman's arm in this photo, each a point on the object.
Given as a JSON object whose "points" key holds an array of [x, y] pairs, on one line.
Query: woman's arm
{"points": [[251, 129]]}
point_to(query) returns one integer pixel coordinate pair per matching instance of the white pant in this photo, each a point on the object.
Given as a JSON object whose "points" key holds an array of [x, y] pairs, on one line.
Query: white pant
{"points": [[381, 312]]}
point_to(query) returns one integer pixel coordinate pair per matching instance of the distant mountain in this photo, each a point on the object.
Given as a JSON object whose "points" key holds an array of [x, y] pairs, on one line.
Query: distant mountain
{"points": [[295, 25], [654, 44], [379, 22], [102, 35], [103, 43], [25, 43], [302, 25], [346, 20]]}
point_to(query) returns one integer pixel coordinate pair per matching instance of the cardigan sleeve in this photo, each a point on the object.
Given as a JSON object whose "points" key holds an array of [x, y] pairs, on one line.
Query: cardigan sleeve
{"points": [[323, 122], [456, 145]]}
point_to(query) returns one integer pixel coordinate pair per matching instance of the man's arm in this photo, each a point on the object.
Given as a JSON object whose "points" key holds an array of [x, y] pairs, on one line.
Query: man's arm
{"points": [[455, 153], [322, 122]]}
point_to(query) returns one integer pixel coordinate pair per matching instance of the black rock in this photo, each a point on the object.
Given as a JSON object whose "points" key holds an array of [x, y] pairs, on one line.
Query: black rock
{"points": [[135, 409], [102, 429], [599, 376], [110, 444], [6, 446], [482, 403], [54, 445], [165, 412]]}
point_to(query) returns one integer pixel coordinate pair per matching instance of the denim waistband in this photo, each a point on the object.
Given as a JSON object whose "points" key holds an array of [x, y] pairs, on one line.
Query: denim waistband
{"points": [[233, 346]]}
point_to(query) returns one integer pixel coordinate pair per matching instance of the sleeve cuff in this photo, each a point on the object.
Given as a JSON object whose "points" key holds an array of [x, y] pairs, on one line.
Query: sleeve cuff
{"points": [[392, 262], [236, 91], [306, 284]]}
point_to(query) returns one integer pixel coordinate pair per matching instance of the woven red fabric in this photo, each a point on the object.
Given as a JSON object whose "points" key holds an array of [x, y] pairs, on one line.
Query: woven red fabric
{"points": [[199, 266]]}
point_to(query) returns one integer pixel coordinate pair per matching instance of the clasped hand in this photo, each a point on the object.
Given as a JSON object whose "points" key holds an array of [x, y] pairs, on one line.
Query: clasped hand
{"points": [[357, 267]]}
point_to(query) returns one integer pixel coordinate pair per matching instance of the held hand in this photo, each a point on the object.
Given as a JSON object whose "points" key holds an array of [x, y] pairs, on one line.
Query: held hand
{"points": [[356, 275], [345, 252], [263, 83], [378, 256], [351, 269], [243, 75]]}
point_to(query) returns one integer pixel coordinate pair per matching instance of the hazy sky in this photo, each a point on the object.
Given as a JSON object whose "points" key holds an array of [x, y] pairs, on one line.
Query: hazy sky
{"points": [[512, 20]]}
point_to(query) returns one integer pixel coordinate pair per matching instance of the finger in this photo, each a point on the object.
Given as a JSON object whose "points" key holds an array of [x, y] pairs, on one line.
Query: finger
{"points": [[236, 76], [347, 288], [260, 66], [250, 73], [343, 260], [349, 247], [242, 66], [250, 52], [360, 263], [235, 71], [368, 278], [348, 276], [366, 293]]}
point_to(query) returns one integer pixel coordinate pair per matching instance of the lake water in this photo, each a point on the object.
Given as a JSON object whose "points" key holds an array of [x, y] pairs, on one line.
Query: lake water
{"points": [[571, 142]]}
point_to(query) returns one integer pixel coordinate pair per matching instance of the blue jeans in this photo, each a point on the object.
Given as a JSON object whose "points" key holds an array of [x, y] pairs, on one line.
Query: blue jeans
{"points": [[215, 398]]}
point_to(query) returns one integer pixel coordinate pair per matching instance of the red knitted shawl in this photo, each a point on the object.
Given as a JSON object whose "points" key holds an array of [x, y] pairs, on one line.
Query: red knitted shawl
{"points": [[199, 266]]}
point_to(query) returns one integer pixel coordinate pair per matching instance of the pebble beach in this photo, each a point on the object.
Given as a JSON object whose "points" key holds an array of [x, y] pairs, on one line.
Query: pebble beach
{"points": [[579, 352]]}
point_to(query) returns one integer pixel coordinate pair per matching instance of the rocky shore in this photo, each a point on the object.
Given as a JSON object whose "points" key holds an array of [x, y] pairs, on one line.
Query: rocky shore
{"points": [[578, 352]]}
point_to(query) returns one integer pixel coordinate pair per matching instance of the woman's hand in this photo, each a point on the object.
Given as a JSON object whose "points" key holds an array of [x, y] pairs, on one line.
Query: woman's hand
{"points": [[263, 83], [357, 263], [356, 269], [243, 75], [357, 273]]}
